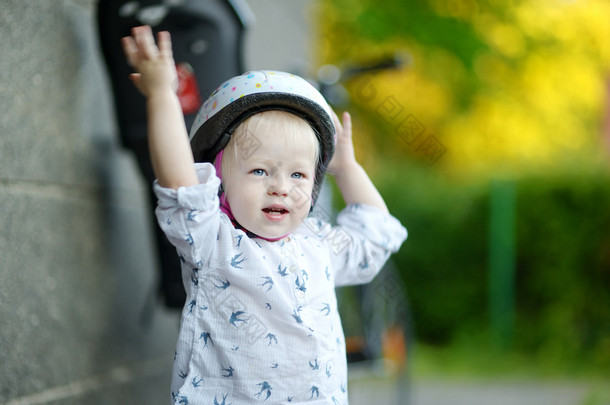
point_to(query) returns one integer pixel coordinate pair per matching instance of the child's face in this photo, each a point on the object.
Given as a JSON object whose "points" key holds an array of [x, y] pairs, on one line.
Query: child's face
{"points": [[269, 190]]}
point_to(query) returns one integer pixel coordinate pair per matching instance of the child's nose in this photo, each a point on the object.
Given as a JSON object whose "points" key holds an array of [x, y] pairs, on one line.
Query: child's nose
{"points": [[276, 185]]}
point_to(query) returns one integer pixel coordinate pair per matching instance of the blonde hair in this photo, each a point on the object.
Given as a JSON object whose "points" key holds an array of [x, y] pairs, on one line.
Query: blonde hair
{"points": [[243, 142]]}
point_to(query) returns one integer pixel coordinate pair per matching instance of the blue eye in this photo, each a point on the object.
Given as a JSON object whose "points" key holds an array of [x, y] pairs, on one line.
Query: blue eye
{"points": [[258, 172], [297, 175]]}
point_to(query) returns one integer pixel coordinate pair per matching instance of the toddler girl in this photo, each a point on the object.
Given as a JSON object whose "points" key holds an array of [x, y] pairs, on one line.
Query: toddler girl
{"points": [[261, 321]]}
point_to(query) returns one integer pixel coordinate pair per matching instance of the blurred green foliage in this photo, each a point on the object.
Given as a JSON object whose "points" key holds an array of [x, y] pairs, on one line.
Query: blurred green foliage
{"points": [[563, 279], [562, 297], [509, 89], [512, 85]]}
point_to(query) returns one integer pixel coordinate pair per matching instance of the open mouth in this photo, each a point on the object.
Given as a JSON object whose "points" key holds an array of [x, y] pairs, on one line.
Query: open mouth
{"points": [[275, 211]]}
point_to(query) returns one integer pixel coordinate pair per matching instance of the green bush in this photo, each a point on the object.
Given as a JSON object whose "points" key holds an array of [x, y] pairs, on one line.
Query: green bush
{"points": [[562, 263], [563, 267]]}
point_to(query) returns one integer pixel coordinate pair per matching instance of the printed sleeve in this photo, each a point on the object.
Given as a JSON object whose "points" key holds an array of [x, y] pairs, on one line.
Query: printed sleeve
{"points": [[190, 216], [362, 242]]}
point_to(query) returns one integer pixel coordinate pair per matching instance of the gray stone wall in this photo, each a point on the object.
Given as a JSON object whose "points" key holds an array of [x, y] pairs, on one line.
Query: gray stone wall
{"points": [[77, 324], [77, 267]]}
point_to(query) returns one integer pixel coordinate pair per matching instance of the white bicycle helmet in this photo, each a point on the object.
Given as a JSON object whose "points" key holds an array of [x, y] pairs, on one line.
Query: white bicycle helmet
{"points": [[243, 96]]}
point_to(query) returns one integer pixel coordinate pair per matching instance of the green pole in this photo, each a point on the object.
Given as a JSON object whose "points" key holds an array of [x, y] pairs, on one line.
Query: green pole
{"points": [[502, 261]]}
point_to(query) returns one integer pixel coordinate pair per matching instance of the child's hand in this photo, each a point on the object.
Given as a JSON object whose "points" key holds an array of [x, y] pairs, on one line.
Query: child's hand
{"points": [[156, 78], [352, 180], [344, 158], [155, 67]]}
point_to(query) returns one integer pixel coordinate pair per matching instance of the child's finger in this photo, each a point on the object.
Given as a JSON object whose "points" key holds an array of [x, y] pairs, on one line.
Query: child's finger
{"points": [[337, 122], [164, 41], [347, 124], [145, 41], [135, 78], [130, 49]]}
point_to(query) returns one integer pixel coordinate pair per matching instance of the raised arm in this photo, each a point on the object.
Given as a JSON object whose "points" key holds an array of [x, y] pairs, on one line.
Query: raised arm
{"points": [[355, 185], [156, 79]]}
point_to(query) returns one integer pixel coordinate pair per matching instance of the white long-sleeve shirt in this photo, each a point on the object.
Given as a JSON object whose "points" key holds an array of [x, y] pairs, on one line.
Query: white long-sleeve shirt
{"points": [[261, 322]]}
